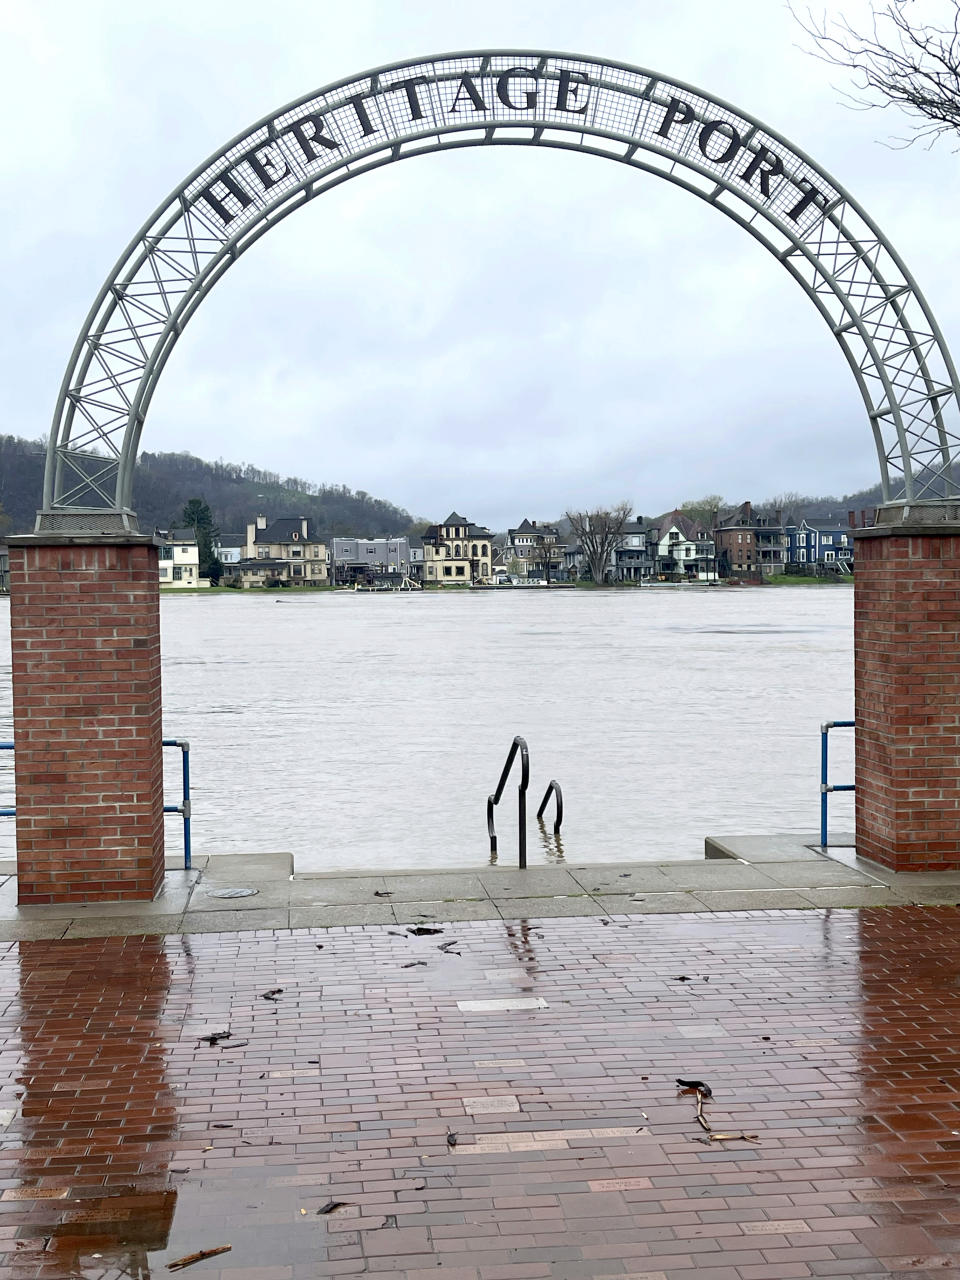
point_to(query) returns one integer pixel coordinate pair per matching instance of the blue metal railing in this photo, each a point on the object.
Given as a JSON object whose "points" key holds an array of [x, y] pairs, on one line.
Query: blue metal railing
{"points": [[183, 808], [825, 787], [7, 813]]}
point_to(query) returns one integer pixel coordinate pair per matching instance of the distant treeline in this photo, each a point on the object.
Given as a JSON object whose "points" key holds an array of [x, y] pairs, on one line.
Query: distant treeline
{"points": [[164, 482]]}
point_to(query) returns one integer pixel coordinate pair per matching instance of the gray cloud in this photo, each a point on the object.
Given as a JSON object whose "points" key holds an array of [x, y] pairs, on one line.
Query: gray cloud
{"points": [[505, 332]]}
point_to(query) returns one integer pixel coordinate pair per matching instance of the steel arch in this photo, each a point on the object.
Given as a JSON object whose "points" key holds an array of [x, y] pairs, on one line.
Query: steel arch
{"points": [[774, 191]]}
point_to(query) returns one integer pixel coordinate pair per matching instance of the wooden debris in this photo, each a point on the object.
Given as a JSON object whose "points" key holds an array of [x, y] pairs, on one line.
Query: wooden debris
{"points": [[179, 1263]]}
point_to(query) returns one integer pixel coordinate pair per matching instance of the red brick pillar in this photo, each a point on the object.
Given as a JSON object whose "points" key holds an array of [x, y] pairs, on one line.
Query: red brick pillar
{"points": [[907, 678], [85, 635]]}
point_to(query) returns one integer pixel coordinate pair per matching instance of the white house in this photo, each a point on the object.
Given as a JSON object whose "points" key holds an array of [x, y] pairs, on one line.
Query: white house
{"points": [[180, 560]]}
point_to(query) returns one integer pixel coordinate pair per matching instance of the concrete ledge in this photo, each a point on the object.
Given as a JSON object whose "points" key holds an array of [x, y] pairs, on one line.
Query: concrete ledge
{"points": [[781, 872]]}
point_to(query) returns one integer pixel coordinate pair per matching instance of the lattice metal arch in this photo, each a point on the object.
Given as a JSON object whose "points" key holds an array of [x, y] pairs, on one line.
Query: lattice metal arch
{"points": [[818, 232]]}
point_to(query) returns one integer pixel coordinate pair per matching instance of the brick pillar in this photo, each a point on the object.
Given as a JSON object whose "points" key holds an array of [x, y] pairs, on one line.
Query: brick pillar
{"points": [[907, 679], [85, 636]]}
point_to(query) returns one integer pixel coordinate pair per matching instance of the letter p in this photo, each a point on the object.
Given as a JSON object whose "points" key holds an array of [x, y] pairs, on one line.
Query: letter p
{"points": [[678, 112]]}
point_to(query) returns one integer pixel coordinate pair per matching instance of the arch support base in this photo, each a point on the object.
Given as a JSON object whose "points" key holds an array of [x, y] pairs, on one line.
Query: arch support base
{"points": [[907, 681], [85, 640]]}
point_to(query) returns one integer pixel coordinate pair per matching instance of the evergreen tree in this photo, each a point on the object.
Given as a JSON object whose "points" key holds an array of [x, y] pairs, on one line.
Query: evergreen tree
{"points": [[196, 515]]}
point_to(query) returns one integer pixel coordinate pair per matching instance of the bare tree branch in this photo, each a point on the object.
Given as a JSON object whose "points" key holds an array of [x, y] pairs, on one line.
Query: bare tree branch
{"points": [[899, 61], [599, 532]]}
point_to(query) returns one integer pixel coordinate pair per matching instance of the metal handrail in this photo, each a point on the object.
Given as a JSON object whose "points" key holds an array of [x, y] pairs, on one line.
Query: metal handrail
{"points": [[825, 787], [7, 813], [553, 789], [183, 808], [518, 744]]}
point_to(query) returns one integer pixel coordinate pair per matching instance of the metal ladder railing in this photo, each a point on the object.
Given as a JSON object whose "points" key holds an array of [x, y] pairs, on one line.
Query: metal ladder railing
{"points": [[520, 745], [826, 789], [183, 808], [553, 789]]}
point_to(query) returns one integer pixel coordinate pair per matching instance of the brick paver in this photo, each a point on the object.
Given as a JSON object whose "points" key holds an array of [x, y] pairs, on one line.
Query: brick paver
{"points": [[128, 1141]]}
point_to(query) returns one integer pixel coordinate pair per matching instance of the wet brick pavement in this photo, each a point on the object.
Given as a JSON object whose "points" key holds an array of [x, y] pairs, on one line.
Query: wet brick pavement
{"points": [[127, 1142]]}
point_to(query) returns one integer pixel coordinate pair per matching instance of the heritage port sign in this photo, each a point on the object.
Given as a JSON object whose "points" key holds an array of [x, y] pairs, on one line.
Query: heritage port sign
{"points": [[650, 122]]}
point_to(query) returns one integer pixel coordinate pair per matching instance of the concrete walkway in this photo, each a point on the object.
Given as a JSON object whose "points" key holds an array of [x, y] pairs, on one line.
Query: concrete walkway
{"points": [[745, 873]]}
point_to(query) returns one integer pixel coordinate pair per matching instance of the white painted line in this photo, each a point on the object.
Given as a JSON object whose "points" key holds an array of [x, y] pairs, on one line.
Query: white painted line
{"points": [[493, 1006]]}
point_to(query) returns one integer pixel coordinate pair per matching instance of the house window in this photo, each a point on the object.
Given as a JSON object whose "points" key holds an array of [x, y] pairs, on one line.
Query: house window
{"points": [[829, 555], [297, 570], [456, 550], [484, 551], [739, 539], [296, 553], [166, 553], [164, 572], [460, 571], [802, 539], [177, 573], [803, 557], [316, 552], [448, 571], [263, 553]]}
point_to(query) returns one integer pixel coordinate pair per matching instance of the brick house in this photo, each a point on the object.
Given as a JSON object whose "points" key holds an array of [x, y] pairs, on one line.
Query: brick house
{"points": [[750, 545]]}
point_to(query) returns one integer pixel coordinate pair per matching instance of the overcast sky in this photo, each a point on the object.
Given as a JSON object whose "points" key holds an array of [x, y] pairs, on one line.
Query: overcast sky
{"points": [[505, 332]]}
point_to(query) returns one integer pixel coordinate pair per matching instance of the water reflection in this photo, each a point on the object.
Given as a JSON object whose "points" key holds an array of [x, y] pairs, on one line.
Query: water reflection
{"points": [[551, 843], [520, 938], [908, 1069], [97, 1111]]}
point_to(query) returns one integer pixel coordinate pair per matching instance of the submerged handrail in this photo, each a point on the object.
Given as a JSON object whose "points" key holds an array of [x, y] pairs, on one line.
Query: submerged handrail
{"points": [[826, 789], [553, 789], [183, 808], [518, 744], [7, 813]]}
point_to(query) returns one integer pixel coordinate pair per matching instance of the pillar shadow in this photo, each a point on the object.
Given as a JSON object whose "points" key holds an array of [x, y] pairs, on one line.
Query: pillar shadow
{"points": [[97, 1113]]}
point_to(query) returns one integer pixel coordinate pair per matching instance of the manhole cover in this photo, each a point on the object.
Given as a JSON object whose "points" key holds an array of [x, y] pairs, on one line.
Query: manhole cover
{"points": [[233, 893]]}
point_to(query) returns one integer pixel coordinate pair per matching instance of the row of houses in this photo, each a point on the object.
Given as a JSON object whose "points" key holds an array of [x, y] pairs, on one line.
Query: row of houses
{"points": [[744, 544], [290, 551]]}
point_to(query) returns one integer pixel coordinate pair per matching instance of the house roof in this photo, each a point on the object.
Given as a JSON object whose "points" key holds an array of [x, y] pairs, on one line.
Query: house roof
{"points": [[823, 526], [232, 540], [283, 529], [692, 531], [453, 518], [525, 526]]}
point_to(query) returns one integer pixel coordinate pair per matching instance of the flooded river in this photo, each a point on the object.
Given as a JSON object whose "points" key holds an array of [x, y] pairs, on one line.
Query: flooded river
{"points": [[366, 731]]}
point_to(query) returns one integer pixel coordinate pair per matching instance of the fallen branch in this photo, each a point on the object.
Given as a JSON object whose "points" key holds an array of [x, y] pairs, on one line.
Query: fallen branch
{"points": [[179, 1263]]}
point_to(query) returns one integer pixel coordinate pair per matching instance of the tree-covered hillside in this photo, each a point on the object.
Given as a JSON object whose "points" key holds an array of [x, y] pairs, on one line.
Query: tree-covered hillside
{"points": [[166, 481]]}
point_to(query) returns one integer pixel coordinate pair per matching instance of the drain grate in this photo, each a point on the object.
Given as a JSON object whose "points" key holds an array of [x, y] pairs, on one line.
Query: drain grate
{"points": [[232, 893]]}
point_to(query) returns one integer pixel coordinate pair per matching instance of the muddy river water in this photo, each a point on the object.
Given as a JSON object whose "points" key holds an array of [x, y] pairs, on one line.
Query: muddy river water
{"points": [[366, 731]]}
